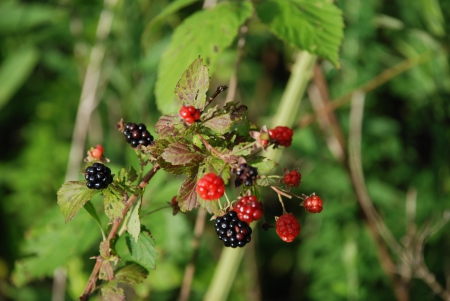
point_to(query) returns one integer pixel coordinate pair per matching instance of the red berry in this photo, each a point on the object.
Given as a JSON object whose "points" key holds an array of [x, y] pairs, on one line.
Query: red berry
{"points": [[292, 178], [190, 114], [97, 152], [288, 227], [282, 134], [174, 201], [264, 142], [248, 209], [210, 187], [313, 204]]}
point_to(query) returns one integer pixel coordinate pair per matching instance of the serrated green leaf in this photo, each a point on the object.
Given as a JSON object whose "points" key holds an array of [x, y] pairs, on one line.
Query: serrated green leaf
{"points": [[132, 273], [153, 27], [313, 25], [242, 149], [142, 252], [193, 84], [113, 203], [169, 125], [263, 164], [111, 292], [72, 196], [134, 221], [206, 33], [187, 195], [219, 124], [179, 153], [217, 166]]}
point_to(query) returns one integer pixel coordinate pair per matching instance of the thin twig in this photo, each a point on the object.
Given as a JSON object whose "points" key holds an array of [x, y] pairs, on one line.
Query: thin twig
{"points": [[90, 286], [240, 52], [372, 84]]}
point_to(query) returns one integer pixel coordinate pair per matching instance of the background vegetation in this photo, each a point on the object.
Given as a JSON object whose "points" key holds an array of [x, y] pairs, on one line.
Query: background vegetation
{"points": [[396, 51]]}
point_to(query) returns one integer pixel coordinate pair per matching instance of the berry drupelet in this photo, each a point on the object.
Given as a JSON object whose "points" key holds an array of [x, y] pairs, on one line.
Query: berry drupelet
{"points": [[248, 209], [137, 134], [288, 227], [98, 176], [232, 231]]}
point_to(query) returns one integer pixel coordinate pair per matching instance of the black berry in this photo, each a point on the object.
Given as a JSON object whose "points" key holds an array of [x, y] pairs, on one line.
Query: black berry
{"points": [[232, 231], [98, 176], [137, 134], [246, 175]]}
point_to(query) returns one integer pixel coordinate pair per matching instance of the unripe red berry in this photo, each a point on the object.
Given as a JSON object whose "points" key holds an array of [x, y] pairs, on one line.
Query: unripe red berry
{"points": [[313, 204], [249, 209], [282, 134], [288, 227], [210, 187], [97, 152], [190, 114], [292, 178]]}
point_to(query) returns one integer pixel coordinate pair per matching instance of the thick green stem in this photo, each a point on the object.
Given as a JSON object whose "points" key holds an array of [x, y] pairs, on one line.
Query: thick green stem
{"points": [[286, 115]]}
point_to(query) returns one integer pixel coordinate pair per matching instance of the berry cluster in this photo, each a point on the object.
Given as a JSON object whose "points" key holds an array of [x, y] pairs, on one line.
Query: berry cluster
{"points": [[190, 114], [288, 227], [282, 134], [245, 174], [313, 204], [232, 231], [248, 209], [210, 187], [137, 134], [292, 178], [98, 176]]}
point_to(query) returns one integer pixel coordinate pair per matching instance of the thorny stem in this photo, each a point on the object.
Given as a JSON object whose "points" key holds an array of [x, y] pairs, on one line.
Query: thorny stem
{"points": [[90, 286]]}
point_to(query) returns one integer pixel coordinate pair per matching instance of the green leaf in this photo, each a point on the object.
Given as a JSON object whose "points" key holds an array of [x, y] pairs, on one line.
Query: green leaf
{"points": [[143, 251], [313, 25], [206, 33], [193, 84], [93, 213], [265, 181], [220, 124], [72, 196], [263, 164], [51, 243], [169, 125], [132, 273], [134, 221], [179, 153], [111, 292], [153, 27], [15, 70], [113, 203], [187, 195]]}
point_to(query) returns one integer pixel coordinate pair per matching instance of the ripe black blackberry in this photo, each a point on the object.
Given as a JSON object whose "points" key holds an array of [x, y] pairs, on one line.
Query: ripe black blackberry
{"points": [[98, 176], [137, 134], [246, 175], [232, 231]]}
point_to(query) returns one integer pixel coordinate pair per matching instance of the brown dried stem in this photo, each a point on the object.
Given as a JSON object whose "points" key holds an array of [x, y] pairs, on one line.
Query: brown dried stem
{"points": [[90, 286]]}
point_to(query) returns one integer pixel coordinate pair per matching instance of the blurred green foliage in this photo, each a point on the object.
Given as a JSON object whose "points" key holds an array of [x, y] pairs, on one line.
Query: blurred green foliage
{"points": [[44, 52]]}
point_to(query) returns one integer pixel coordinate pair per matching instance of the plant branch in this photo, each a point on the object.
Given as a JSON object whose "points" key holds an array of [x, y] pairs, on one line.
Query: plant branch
{"points": [[90, 286], [240, 51]]}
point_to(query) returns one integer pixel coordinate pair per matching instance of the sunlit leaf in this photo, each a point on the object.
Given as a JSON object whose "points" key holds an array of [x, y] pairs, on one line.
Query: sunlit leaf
{"points": [[187, 196], [263, 164], [313, 25], [206, 33], [180, 153], [134, 221], [72, 196], [193, 84], [111, 292]]}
